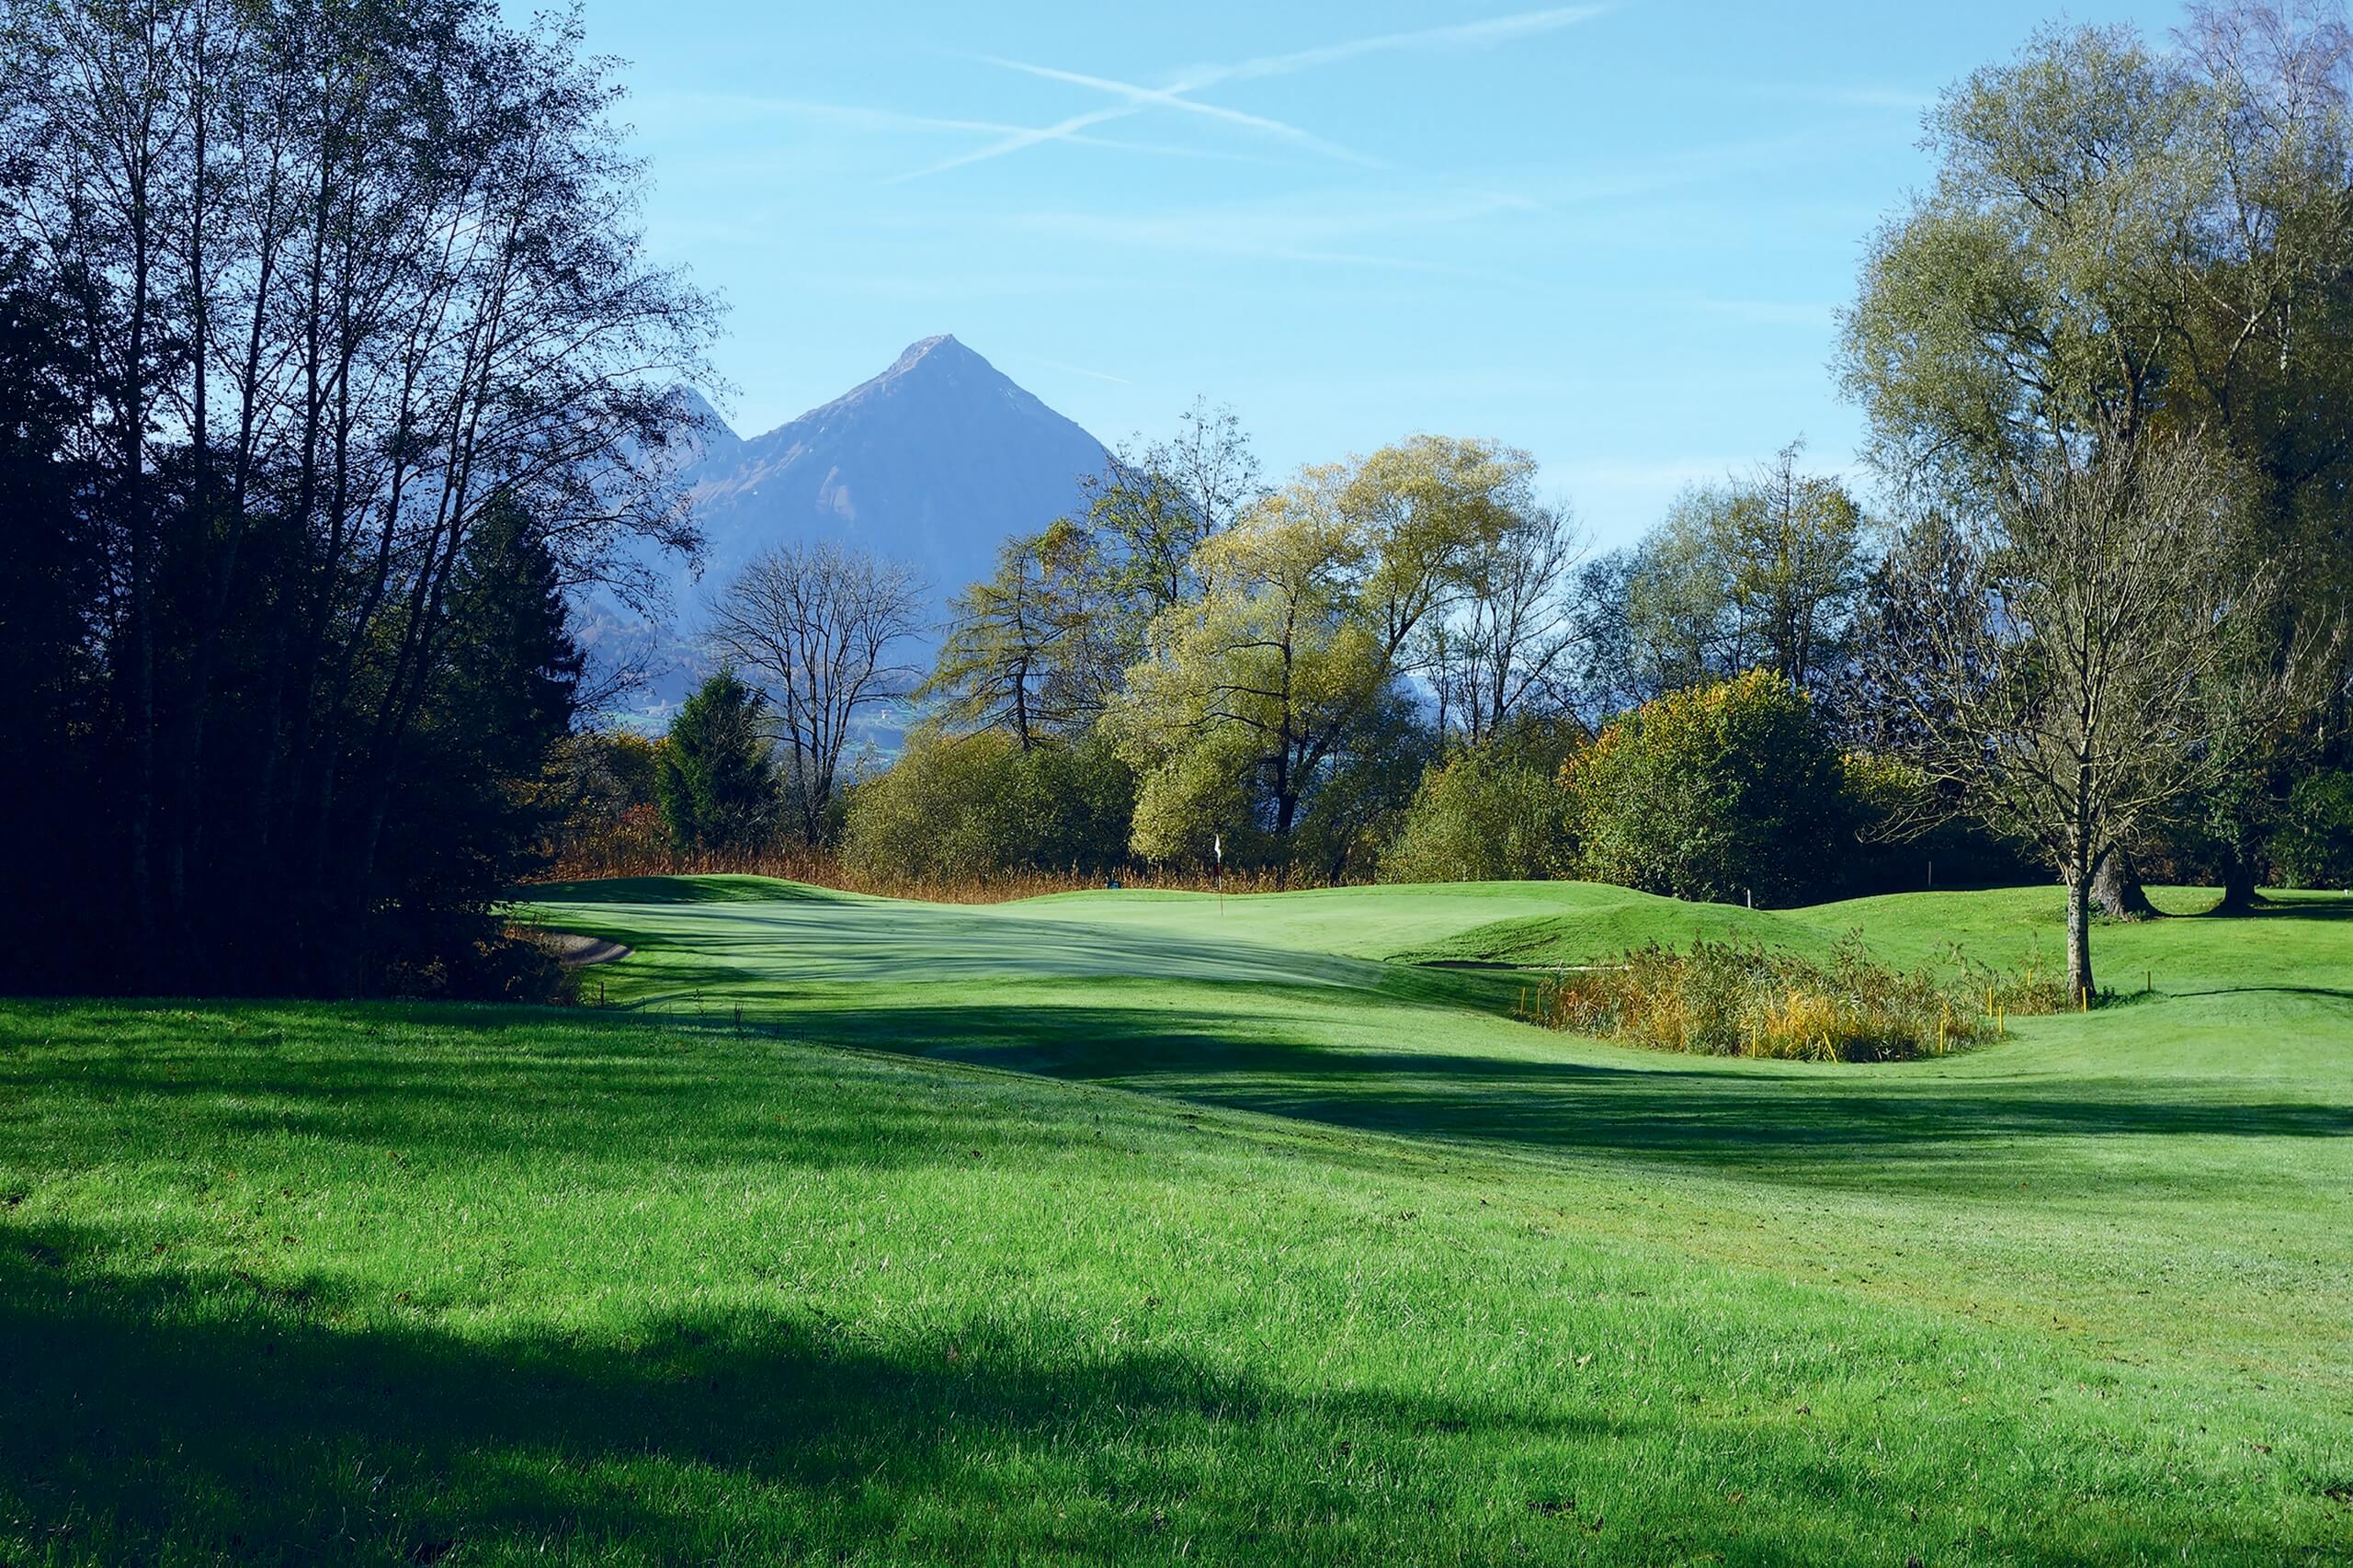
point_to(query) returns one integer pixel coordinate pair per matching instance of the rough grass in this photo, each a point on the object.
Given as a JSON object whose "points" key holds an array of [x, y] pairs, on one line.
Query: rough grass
{"points": [[1116, 1228], [1730, 999]]}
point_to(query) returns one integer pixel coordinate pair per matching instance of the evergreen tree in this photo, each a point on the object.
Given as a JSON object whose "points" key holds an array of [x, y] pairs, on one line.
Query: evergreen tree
{"points": [[718, 782], [480, 794]]}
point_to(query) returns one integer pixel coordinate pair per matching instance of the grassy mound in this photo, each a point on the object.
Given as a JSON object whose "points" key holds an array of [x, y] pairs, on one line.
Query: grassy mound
{"points": [[1269, 1252]]}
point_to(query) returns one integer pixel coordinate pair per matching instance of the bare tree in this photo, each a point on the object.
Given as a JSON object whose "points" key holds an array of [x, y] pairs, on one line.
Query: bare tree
{"points": [[2078, 669], [1508, 650], [815, 625]]}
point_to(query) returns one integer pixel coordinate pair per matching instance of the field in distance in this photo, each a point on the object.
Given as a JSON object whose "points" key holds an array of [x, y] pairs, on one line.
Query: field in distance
{"points": [[1140, 1227]]}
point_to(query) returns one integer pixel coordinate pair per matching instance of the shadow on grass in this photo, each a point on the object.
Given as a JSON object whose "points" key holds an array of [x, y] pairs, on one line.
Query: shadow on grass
{"points": [[203, 1416], [676, 890], [197, 1414], [1805, 1116], [2325, 908], [200, 1416], [624, 1087]]}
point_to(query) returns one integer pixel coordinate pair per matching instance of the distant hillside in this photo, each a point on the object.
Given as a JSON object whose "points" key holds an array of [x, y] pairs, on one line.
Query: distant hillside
{"points": [[937, 461]]}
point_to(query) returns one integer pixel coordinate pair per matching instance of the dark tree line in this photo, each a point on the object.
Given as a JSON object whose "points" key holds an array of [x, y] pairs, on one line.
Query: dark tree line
{"points": [[327, 348]]}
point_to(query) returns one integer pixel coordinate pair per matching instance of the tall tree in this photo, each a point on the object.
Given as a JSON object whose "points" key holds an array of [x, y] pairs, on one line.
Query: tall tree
{"points": [[480, 795], [1158, 502], [817, 627], [2068, 664], [346, 279], [1793, 543], [1251, 699], [716, 778], [1029, 650], [1505, 652], [2124, 241], [52, 594]]}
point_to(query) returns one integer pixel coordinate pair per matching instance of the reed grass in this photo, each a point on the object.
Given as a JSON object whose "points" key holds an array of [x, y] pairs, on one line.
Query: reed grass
{"points": [[1731, 998]]}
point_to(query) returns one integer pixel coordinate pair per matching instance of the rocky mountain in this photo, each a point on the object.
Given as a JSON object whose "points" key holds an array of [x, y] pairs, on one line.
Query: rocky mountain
{"points": [[937, 461]]}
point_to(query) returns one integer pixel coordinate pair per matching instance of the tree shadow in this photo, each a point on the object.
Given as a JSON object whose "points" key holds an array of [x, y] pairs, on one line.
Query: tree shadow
{"points": [[613, 1089], [204, 1416], [1803, 1121], [198, 1414], [2325, 908], [207, 1417]]}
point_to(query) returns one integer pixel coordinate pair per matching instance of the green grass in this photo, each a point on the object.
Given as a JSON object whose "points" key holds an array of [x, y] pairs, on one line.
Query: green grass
{"points": [[1127, 1227]]}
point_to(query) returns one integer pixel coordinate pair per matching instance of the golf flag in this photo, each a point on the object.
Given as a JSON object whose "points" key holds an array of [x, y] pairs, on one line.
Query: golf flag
{"points": [[1217, 847]]}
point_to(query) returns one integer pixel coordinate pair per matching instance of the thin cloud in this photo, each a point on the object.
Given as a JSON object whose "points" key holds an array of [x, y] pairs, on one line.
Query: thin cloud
{"points": [[1177, 94], [1463, 35], [885, 122], [1060, 130], [1173, 97]]}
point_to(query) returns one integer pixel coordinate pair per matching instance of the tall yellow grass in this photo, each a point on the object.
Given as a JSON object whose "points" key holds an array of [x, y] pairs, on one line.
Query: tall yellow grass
{"points": [[1727, 999]]}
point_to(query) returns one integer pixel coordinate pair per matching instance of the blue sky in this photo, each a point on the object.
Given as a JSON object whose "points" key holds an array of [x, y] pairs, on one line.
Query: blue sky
{"points": [[1613, 234]]}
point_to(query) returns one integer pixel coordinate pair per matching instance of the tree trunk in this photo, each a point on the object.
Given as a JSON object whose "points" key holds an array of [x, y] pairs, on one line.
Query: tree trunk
{"points": [[2079, 939], [2238, 885], [2117, 889]]}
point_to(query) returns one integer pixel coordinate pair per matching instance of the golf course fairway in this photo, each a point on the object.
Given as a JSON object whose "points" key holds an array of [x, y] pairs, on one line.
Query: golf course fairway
{"points": [[1141, 1227]]}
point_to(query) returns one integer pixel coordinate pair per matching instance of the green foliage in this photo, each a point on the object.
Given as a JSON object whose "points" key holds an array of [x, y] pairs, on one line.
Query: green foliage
{"points": [[1494, 812], [1715, 793], [611, 778], [2141, 241], [1905, 839], [1361, 804], [480, 797], [1029, 649], [1729, 999], [2314, 847], [289, 542], [954, 809], [1762, 570], [1283, 675], [716, 778]]}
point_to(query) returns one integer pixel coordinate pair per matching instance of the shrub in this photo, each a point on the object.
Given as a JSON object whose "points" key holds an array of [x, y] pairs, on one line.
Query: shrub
{"points": [[957, 809], [2313, 848], [1725, 999], [1715, 792], [1491, 813], [610, 782]]}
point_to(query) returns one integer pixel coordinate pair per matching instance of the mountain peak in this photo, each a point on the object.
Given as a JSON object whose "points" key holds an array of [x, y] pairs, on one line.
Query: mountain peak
{"points": [[936, 461], [940, 348]]}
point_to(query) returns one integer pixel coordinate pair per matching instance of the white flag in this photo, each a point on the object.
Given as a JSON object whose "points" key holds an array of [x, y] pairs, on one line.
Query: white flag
{"points": [[1217, 844]]}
